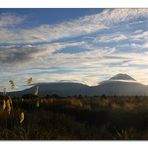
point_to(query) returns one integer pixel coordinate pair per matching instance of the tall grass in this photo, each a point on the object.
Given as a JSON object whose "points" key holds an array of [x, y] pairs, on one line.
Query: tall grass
{"points": [[72, 118]]}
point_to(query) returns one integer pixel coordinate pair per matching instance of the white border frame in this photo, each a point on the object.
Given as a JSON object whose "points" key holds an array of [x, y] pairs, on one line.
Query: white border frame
{"points": [[73, 3]]}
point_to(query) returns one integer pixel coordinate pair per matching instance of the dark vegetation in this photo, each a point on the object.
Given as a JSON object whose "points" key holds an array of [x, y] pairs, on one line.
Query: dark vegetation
{"points": [[76, 118]]}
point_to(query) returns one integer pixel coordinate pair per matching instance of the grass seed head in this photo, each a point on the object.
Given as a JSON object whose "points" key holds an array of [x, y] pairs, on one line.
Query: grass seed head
{"points": [[29, 81], [4, 91], [37, 103], [4, 105], [22, 117], [12, 84], [36, 93], [8, 105], [10, 100]]}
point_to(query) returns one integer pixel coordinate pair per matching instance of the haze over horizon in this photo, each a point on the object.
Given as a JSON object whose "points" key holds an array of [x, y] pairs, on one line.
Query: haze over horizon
{"points": [[77, 45]]}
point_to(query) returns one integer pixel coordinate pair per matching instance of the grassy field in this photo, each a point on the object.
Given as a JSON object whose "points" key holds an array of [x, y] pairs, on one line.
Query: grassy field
{"points": [[112, 118]]}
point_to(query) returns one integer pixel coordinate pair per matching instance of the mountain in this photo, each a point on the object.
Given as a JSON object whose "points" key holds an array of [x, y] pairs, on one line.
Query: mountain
{"points": [[61, 89], [119, 85], [120, 88], [121, 76]]}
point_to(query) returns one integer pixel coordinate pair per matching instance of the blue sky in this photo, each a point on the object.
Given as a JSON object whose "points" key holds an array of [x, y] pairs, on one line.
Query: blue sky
{"points": [[76, 45]]}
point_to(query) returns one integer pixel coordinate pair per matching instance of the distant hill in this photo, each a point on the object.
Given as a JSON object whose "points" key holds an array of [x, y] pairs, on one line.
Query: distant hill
{"points": [[61, 89], [119, 85]]}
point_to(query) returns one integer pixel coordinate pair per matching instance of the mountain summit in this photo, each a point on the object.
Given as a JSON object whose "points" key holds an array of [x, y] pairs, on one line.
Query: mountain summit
{"points": [[121, 76]]}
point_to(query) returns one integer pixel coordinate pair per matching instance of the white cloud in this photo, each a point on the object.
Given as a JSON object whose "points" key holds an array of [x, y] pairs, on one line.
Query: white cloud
{"points": [[85, 25], [13, 55], [111, 38], [139, 46], [82, 26], [140, 36], [8, 19]]}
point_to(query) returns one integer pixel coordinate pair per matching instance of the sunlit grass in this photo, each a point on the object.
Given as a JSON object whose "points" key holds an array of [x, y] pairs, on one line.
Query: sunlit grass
{"points": [[109, 119], [77, 118]]}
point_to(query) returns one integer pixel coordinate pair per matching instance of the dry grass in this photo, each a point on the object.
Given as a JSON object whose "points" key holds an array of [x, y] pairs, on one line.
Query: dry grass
{"points": [[73, 118], [75, 102]]}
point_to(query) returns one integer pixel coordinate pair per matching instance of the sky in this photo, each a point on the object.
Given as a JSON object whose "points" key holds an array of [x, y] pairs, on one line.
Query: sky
{"points": [[72, 45]]}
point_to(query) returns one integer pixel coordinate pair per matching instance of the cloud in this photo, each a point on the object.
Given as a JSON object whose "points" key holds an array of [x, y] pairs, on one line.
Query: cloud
{"points": [[140, 36], [111, 38], [10, 19], [73, 28], [85, 25], [115, 16], [13, 55], [139, 46]]}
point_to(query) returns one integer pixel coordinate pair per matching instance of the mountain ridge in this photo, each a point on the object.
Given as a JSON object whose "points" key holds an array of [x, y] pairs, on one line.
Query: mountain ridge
{"points": [[119, 85]]}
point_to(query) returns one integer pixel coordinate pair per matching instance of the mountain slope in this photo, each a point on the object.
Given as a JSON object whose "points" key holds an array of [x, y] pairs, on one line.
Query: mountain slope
{"points": [[119, 85], [61, 89], [120, 88]]}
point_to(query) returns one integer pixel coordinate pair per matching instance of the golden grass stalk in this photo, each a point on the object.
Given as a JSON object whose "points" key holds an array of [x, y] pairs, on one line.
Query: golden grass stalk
{"points": [[10, 100], [22, 117], [4, 91], [8, 104], [29, 81], [12, 84], [4, 105], [36, 93], [37, 103]]}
